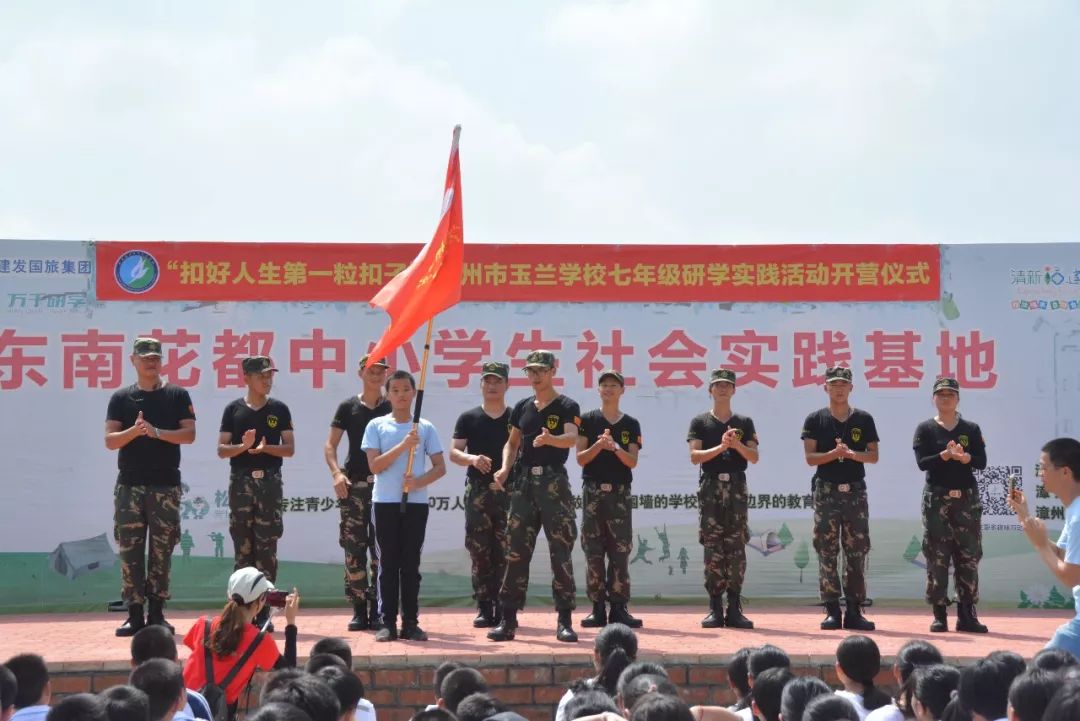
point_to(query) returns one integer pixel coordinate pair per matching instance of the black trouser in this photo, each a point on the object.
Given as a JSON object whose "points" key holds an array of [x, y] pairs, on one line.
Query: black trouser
{"points": [[399, 539]]}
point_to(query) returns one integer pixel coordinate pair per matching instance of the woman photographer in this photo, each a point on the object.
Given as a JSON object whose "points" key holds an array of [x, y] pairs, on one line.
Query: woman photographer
{"points": [[231, 641]]}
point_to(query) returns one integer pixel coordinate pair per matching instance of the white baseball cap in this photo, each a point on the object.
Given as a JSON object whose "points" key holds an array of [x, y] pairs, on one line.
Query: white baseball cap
{"points": [[248, 583]]}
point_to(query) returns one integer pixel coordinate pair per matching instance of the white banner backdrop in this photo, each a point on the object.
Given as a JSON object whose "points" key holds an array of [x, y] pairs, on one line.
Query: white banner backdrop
{"points": [[1006, 325]]}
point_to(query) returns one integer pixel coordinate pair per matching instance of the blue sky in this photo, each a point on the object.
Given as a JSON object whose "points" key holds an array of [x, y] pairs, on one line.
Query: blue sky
{"points": [[658, 121]]}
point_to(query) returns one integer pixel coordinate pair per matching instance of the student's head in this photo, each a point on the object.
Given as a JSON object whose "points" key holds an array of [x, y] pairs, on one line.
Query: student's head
{"points": [[738, 672], [659, 707], [767, 692], [643, 685], [8, 687], [1065, 705], [346, 686], [401, 389], [1013, 662], [932, 689], [639, 668], [912, 654], [126, 703], [830, 707], [337, 646], [163, 683], [322, 660], [615, 648], [309, 693], [278, 711], [858, 661], [1031, 692], [477, 707], [441, 672], [78, 707], [1059, 467], [433, 714], [766, 657], [459, 684], [590, 702], [31, 678], [247, 594], [1053, 659], [278, 679], [152, 642], [798, 692], [984, 686]]}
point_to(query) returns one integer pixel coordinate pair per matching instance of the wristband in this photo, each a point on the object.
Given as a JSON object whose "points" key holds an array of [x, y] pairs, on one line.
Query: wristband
{"points": [[157, 432]]}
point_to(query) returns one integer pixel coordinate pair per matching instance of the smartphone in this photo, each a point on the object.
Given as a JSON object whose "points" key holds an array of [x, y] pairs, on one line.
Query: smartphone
{"points": [[276, 599]]}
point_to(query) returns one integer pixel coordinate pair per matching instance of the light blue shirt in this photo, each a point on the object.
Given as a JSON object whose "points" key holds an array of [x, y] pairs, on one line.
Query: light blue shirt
{"points": [[31, 713], [382, 434], [1069, 540]]}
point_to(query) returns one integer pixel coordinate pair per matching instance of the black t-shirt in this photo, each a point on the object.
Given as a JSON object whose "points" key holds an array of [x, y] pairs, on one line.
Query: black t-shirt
{"points": [[268, 422], [352, 416], [708, 429], [857, 432], [527, 419], [484, 436], [606, 466], [149, 461], [931, 439]]}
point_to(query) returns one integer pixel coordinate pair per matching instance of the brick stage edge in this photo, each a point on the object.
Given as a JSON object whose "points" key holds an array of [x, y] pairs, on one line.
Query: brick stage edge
{"points": [[530, 673]]}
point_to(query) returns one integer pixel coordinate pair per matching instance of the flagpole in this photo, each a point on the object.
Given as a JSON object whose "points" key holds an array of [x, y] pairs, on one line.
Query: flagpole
{"points": [[419, 404]]}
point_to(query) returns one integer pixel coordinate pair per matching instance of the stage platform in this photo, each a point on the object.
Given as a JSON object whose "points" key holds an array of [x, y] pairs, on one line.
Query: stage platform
{"points": [[530, 673]]}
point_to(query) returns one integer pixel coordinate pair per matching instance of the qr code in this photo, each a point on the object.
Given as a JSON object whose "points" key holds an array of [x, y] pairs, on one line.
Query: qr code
{"points": [[994, 485]]}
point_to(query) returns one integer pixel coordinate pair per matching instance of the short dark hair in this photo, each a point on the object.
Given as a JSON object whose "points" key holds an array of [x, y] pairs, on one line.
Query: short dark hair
{"points": [[346, 686], [1031, 692], [322, 660], [441, 672], [768, 691], [152, 642], [162, 681], [1064, 453], [1053, 659], [477, 707], [1065, 705], [915, 653], [337, 646], [31, 677], [645, 684], [638, 668], [278, 711], [830, 707], [126, 703], [459, 684], [278, 679], [434, 714], [798, 692], [78, 707], [933, 687], [309, 693], [658, 707], [765, 657], [984, 686], [8, 687], [738, 672], [401, 375], [589, 702]]}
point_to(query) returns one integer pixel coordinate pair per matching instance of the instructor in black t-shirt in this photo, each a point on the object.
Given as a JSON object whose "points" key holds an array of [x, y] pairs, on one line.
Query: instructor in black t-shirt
{"points": [[256, 433], [838, 441], [147, 422]]}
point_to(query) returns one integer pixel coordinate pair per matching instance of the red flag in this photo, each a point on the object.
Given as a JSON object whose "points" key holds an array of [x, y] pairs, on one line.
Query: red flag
{"points": [[432, 282]]}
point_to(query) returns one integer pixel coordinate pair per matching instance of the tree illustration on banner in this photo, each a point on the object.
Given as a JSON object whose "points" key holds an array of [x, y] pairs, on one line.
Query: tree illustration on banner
{"points": [[912, 550], [784, 536], [802, 557]]}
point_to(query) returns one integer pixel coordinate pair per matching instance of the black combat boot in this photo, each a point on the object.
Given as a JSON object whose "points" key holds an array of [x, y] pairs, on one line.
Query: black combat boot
{"points": [[506, 628], [411, 631], [564, 630], [262, 618], [155, 616], [967, 620], [485, 615], [715, 619], [854, 620], [598, 617], [620, 614], [735, 617], [941, 618], [832, 621], [134, 623], [360, 620]]}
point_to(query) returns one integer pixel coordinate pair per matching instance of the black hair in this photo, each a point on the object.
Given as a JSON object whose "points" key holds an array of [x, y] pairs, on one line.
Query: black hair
{"points": [[459, 684], [768, 690], [309, 693], [1013, 662], [933, 686], [658, 707], [1053, 659], [478, 707], [589, 702], [1031, 692], [798, 692], [738, 671], [914, 653], [31, 677], [322, 660], [8, 687], [337, 646], [441, 672], [434, 714], [126, 703], [767, 656], [644, 684], [346, 686], [78, 707], [1064, 453], [278, 711], [400, 375], [152, 642], [162, 681], [984, 685], [278, 679], [617, 647], [830, 707], [1065, 705], [860, 660], [638, 668]]}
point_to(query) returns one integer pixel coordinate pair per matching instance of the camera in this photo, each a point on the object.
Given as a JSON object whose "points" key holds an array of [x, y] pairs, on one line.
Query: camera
{"points": [[276, 599]]}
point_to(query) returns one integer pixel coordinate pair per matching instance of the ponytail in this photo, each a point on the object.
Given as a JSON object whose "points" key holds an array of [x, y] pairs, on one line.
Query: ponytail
{"points": [[617, 647], [614, 663], [873, 697], [225, 639]]}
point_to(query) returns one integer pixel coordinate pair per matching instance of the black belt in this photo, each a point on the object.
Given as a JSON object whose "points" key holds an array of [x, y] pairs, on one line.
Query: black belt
{"points": [[724, 476], [602, 486], [841, 486]]}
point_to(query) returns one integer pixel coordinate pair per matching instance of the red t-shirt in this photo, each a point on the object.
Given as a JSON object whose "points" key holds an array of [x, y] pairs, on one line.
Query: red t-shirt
{"points": [[264, 657]]}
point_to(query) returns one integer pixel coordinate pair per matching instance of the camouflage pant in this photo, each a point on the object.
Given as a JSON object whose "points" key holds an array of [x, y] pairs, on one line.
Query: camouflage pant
{"points": [[485, 536], [841, 519], [540, 500], [255, 522], [723, 530], [354, 534], [139, 511], [953, 532], [607, 531]]}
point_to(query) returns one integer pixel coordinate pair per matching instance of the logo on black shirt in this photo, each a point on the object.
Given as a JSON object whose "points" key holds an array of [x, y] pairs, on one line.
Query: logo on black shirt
{"points": [[272, 421], [738, 433], [963, 440], [856, 434], [552, 422], [624, 437]]}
